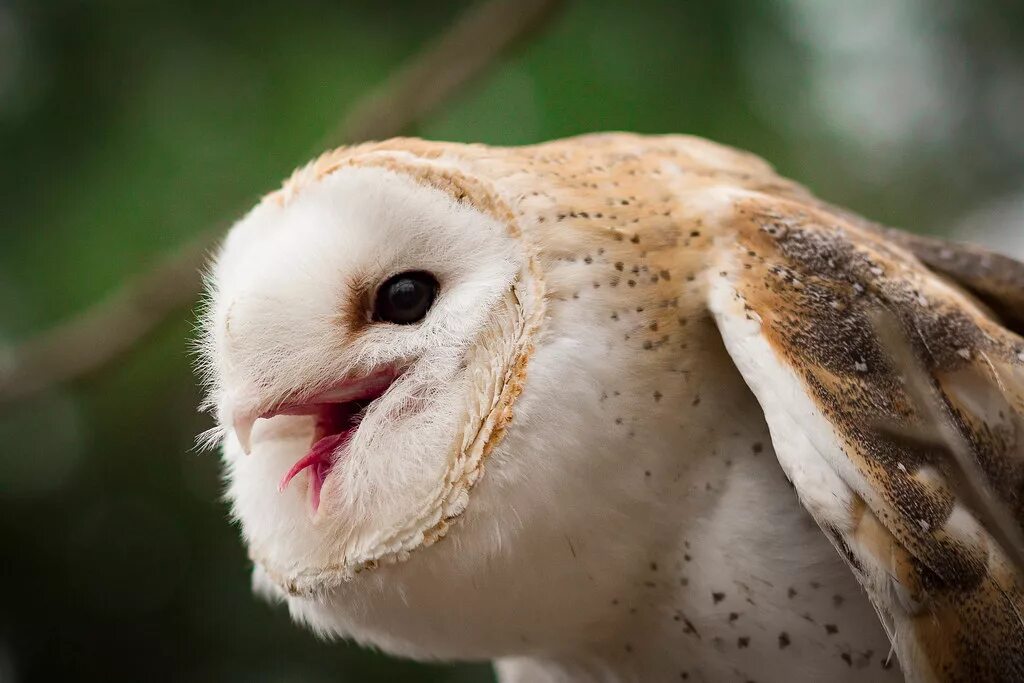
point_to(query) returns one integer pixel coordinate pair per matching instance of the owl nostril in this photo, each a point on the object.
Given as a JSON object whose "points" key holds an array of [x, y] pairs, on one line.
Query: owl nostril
{"points": [[227, 322]]}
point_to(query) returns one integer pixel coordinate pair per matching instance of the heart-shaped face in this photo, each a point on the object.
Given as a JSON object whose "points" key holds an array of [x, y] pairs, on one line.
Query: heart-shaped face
{"points": [[366, 336]]}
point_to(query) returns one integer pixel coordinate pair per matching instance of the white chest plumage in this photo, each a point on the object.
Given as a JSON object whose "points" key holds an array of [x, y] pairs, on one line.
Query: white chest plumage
{"points": [[689, 556]]}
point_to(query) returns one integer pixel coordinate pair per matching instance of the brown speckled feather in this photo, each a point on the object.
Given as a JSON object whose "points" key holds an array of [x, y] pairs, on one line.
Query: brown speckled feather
{"points": [[815, 284]]}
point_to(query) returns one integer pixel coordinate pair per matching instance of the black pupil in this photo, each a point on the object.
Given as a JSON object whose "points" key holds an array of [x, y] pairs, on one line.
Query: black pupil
{"points": [[406, 298]]}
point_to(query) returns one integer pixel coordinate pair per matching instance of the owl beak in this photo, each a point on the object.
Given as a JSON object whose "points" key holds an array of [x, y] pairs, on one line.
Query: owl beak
{"points": [[241, 410], [375, 383], [242, 425]]}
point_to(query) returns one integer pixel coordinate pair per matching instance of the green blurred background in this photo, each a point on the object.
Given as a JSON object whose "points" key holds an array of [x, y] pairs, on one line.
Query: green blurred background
{"points": [[127, 127]]}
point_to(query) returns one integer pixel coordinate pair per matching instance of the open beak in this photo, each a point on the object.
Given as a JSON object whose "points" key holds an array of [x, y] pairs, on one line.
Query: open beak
{"points": [[348, 390], [337, 412]]}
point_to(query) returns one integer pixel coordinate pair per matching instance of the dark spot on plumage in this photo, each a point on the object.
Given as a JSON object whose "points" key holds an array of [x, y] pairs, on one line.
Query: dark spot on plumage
{"points": [[733, 616], [831, 629], [717, 597], [783, 640], [619, 265], [847, 658], [743, 642]]}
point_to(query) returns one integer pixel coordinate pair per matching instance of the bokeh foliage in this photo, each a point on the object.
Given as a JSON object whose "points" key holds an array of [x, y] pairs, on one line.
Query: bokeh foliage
{"points": [[128, 126]]}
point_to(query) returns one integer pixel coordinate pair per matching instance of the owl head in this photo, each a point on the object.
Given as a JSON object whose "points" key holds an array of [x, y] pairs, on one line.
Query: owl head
{"points": [[379, 332], [365, 339]]}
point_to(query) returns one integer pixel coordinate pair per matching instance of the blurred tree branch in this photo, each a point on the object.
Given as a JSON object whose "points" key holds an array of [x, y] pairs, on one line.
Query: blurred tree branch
{"points": [[99, 335]]}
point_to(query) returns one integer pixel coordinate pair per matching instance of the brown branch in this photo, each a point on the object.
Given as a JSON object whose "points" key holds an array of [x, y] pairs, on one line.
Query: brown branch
{"points": [[466, 50], [99, 335]]}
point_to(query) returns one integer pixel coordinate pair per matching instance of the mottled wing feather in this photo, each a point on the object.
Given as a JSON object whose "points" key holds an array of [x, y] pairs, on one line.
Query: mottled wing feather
{"points": [[996, 279], [799, 294]]}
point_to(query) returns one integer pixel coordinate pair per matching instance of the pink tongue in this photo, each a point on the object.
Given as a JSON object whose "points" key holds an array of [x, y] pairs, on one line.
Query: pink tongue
{"points": [[320, 458]]}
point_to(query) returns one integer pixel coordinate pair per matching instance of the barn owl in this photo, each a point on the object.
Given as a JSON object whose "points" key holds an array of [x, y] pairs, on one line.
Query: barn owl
{"points": [[621, 408]]}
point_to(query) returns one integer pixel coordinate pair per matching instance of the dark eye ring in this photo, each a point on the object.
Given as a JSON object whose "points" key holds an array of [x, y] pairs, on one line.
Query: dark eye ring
{"points": [[405, 298]]}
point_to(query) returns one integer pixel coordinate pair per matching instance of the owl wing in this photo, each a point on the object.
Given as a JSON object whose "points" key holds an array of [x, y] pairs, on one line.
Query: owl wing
{"points": [[895, 400]]}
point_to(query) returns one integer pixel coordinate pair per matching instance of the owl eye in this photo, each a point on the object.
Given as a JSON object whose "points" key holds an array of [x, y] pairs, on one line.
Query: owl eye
{"points": [[405, 298]]}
